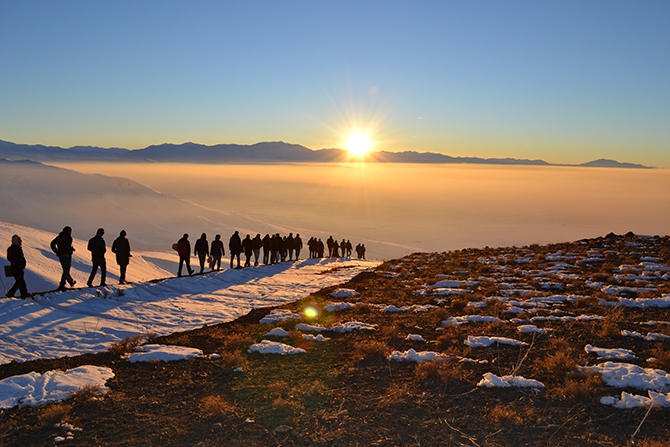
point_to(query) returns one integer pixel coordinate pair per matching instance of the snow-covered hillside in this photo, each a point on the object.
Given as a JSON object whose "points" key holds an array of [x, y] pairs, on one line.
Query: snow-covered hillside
{"points": [[43, 270], [91, 319]]}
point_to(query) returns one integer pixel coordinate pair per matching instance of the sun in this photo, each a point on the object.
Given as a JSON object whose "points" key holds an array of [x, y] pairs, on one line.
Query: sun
{"points": [[358, 144]]}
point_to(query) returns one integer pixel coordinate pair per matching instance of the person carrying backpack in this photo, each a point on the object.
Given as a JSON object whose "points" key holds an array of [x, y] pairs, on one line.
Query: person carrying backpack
{"points": [[184, 251]]}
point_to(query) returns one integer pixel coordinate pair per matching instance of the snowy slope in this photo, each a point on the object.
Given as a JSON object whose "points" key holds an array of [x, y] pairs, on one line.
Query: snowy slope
{"points": [[91, 319], [43, 270]]}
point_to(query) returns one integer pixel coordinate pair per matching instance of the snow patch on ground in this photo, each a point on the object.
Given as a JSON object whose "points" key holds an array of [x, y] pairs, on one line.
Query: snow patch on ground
{"points": [[35, 389], [344, 293], [277, 332], [165, 353], [414, 356], [457, 321], [490, 380], [312, 337], [485, 342], [273, 347], [339, 307], [351, 326], [611, 354], [280, 315]]}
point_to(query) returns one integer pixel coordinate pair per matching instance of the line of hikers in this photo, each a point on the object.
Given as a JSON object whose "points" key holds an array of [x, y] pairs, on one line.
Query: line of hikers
{"points": [[62, 247], [275, 249]]}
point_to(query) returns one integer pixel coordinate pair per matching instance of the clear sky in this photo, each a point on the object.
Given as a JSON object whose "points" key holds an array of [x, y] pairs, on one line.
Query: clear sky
{"points": [[564, 81]]}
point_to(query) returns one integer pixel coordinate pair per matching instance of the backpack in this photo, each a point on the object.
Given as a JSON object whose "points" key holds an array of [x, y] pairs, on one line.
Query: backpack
{"points": [[181, 248]]}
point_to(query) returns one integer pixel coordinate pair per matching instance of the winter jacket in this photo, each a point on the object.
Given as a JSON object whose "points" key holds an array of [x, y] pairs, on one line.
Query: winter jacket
{"points": [[201, 247], [121, 247], [15, 257], [235, 244], [97, 247], [62, 244], [217, 248], [247, 245]]}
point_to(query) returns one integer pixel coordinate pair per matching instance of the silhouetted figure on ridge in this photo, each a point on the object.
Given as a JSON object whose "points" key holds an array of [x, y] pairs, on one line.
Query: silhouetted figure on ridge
{"points": [[297, 244], [289, 246], [235, 247], [266, 249], [329, 243], [121, 248], [247, 246], [98, 248], [62, 247], [18, 263], [184, 251], [256, 244], [320, 248], [217, 251], [201, 250], [360, 251], [335, 252]]}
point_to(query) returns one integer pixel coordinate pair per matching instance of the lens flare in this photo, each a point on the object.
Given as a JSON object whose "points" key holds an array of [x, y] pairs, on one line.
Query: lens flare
{"points": [[310, 312]]}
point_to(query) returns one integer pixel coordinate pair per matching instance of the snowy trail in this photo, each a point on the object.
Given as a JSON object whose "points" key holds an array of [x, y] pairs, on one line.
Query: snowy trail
{"points": [[90, 320]]}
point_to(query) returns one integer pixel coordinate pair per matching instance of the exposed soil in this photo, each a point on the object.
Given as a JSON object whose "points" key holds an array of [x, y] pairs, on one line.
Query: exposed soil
{"points": [[346, 392]]}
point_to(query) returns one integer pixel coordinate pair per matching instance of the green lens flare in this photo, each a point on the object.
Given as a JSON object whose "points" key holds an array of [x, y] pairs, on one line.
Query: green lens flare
{"points": [[310, 312]]}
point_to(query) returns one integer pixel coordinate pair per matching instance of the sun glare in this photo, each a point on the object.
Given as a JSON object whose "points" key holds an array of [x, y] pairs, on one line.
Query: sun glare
{"points": [[358, 144]]}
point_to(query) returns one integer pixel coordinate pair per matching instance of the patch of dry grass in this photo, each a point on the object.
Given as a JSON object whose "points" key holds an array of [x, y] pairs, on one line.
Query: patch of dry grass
{"points": [[213, 406], [49, 415], [127, 345]]}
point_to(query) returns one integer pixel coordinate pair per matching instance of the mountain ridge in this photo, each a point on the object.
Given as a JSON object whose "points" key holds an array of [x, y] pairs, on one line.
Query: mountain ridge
{"points": [[262, 152]]}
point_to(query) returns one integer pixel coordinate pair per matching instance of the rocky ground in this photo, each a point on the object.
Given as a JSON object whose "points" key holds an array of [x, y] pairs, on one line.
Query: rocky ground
{"points": [[366, 378]]}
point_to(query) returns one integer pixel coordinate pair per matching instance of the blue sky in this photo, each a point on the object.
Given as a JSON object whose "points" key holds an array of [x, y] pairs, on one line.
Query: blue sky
{"points": [[566, 81]]}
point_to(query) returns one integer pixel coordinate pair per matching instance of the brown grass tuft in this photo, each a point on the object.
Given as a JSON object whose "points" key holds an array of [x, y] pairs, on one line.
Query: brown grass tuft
{"points": [[439, 372], [502, 414], [610, 327], [581, 386], [213, 406], [126, 345], [54, 413], [90, 392], [371, 350], [562, 360]]}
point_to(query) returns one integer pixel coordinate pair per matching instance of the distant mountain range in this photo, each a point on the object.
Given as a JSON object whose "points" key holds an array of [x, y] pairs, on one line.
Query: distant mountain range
{"points": [[267, 152]]}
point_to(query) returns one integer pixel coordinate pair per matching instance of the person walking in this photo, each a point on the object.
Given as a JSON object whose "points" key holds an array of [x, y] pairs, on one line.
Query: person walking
{"points": [[184, 251], [247, 246], [235, 248], [121, 248], [329, 243], [18, 263], [98, 248], [217, 252], [201, 250], [266, 249], [297, 244], [61, 245], [289, 246], [256, 244]]}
